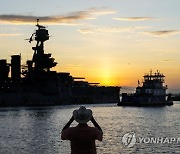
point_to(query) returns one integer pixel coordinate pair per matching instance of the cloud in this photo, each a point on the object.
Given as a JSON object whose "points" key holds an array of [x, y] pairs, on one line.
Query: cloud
{"points": [[9, 34], [134, 18], [162, 33], [70, 18], [86, 31], [167, 60], [105, 30], [101, 11]]}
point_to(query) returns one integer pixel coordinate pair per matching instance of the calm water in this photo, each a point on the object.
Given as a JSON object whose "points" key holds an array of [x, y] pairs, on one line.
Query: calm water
{"points": [[37, 130]]}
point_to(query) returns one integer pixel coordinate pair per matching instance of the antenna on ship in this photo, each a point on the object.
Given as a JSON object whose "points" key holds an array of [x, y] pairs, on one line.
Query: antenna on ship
{"points": [[37, 22], [39, 26], [138, 83], [150, 71]]}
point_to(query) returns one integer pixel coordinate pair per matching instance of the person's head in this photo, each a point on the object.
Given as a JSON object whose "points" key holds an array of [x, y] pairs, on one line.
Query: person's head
{"points": [[82, 115]]}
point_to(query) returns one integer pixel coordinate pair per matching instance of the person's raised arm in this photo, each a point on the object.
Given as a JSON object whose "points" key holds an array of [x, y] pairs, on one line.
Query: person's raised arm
{"points": [[96, 124], [68, 123]]}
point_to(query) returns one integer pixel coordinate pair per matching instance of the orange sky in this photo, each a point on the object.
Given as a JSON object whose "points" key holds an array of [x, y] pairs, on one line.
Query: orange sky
{"points": [[111, 42]]}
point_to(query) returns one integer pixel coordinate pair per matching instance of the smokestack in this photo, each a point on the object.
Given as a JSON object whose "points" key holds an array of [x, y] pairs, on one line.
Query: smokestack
{"points": [[16, 67], [4, 69]]}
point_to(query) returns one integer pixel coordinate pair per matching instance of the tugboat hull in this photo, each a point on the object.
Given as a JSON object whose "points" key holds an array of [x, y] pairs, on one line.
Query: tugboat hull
{"points": [[144, 104]]}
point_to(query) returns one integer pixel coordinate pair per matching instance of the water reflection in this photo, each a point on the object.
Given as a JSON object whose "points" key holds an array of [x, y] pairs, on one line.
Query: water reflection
{"points": [[37, 130]]}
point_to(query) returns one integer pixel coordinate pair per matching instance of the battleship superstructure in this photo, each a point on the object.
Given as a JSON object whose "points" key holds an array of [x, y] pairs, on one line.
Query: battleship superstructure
{"points": [[34, 83], [151, 93]]}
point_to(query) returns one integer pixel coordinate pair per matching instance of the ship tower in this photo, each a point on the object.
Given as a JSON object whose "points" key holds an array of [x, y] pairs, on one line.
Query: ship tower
{"points": [[40, 62]]}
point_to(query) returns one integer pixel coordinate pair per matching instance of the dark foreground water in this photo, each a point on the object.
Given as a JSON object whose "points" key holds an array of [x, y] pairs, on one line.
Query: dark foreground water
{"points": [[37, 130]]}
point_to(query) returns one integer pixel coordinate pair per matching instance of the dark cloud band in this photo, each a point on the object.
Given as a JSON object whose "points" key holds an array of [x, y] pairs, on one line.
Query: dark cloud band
{"points": [[163, 32], [69, 18], [134, 18]]}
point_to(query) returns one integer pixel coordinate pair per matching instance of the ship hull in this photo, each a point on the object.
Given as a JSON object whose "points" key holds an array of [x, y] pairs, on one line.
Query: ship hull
{"points": [[144, 104], [79, 95]]}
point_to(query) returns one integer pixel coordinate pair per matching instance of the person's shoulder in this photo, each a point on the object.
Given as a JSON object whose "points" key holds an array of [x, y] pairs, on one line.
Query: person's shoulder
{"points": [[93, 128], [67, 133], [69, 129], [96, 132]]}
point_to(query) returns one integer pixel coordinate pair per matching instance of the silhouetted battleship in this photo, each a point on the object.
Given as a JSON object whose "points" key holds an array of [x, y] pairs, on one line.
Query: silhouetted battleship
{"points": [[35, 84], [151, 93]]}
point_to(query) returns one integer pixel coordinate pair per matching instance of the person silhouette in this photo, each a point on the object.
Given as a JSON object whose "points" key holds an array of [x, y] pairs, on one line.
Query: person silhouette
{"points": [[82, 136]]}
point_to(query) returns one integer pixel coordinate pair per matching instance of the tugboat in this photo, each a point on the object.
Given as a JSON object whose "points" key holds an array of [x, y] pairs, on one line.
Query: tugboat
{"points": [[34, 84], [151, 93]]}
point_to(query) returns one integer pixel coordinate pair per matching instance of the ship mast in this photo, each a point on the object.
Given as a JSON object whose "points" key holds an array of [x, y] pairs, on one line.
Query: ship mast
{"points": [[40, 62]]}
